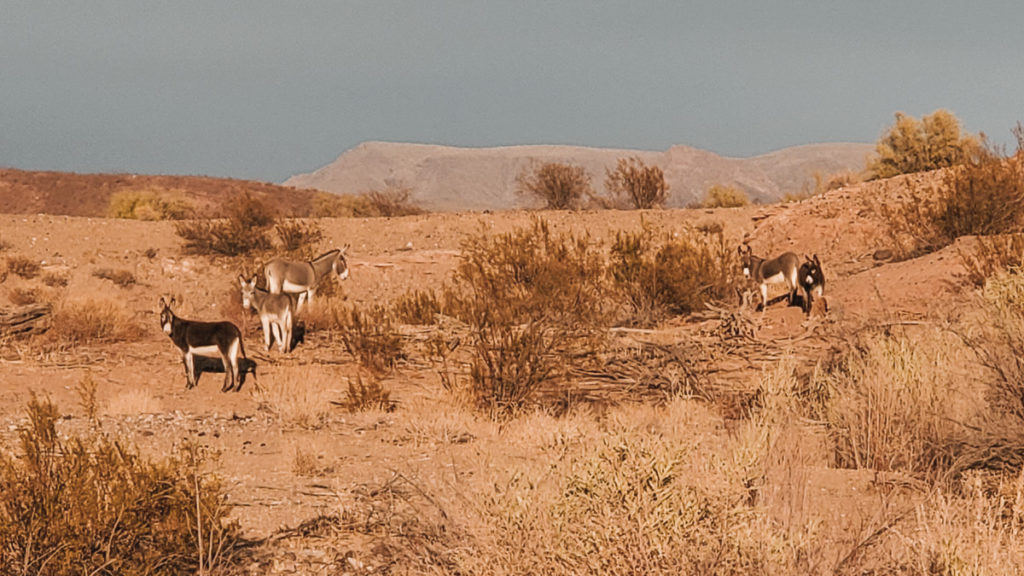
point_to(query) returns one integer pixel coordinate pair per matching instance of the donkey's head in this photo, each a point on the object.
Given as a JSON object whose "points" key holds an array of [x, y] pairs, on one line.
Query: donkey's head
{"points": [[248, 290], [811, 275], [166, 315], [746, 260], [340, 266]]}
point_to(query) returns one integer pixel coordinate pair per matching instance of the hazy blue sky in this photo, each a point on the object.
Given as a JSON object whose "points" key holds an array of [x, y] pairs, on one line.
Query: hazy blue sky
{"points": [[264, 90]]}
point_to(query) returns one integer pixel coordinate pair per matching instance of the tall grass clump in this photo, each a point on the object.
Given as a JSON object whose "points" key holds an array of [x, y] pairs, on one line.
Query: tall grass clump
{"points": [[894, 402], [658, 275], [634, 503], [92, 505], [530, 297]]}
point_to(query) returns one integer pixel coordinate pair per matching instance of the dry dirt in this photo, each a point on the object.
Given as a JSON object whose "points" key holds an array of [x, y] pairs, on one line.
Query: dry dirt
{"points": [[141, 384]]}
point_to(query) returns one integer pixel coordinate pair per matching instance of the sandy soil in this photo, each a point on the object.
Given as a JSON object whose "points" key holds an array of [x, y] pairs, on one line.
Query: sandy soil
{"points": [[141, 384]]}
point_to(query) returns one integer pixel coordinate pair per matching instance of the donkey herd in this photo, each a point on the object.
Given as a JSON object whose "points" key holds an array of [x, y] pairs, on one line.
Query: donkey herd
{"points": [[292, 283]]}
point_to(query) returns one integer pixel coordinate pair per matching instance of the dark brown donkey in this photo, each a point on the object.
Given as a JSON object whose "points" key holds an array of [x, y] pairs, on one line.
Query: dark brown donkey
{"points": [[206, 340]]}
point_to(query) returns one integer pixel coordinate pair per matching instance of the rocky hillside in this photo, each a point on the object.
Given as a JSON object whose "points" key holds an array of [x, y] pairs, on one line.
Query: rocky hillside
{"points": [[446, 178]]}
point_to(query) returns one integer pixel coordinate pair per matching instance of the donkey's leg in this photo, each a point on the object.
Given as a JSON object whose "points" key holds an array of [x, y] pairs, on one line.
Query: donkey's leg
{"points": [[764, 297], [190, 370], [286, 328], [267, 336]]}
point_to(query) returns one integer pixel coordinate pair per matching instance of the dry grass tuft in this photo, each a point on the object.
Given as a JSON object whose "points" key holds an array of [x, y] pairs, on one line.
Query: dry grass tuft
{"points": [[91, 322], [895, 403], [300, 397], [23, 296], [23, 266], [123, 278]]}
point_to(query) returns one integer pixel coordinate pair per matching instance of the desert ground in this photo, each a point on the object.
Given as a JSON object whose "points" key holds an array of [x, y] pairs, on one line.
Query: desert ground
{"points": [[290, 454]]}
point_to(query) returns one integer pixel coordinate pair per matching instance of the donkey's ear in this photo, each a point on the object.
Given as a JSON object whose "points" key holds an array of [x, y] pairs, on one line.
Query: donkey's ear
{"points": [[345, 249], [816, 261], [173, 302], [163, 303], [241, 280]]}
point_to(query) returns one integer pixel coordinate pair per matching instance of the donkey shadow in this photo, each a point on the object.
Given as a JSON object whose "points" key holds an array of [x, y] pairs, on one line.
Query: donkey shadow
{"points": [[216, 366]]}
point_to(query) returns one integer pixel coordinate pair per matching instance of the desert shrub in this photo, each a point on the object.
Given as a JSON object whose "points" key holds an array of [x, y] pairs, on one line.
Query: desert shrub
{"points": [[560, 186], [392, 201], [893, 403], [721, 196], [74, 505], [909, 145], [147, 205], [363, 396], [370, 336], [326, 205], [641, 185], [419, 307], [531, 298], [55, 280], [123, 278], [91, 322], [656, 275], [299, 238], [23, 296], [23, 266], [982, 196], [243, 229], [387, 202]]}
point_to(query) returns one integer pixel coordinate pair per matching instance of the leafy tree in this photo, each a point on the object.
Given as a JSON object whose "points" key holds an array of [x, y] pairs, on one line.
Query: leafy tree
{"points": [[561, 186], [909, 145], [643, 186]]}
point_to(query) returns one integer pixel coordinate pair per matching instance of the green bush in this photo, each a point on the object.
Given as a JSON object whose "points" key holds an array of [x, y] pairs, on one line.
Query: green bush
{"points": [[720, 196], [91, 505], [147, 205], [909, 145]]}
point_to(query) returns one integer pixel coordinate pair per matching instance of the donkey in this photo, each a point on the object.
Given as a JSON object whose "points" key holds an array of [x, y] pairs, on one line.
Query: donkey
{"points": [[812, 279], [275, 311], [302, 278], [781, 269], [205, 339]]}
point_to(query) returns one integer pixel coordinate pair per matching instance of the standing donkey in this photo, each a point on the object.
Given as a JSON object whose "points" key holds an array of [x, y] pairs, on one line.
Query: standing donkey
{"points": [[812, 279], [275, 311], [206, 340], [302, 278], [778, 270]]}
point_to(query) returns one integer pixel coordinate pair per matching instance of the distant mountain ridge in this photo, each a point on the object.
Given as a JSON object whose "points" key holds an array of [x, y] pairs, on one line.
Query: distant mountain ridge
{"points": [[446, 178]]}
